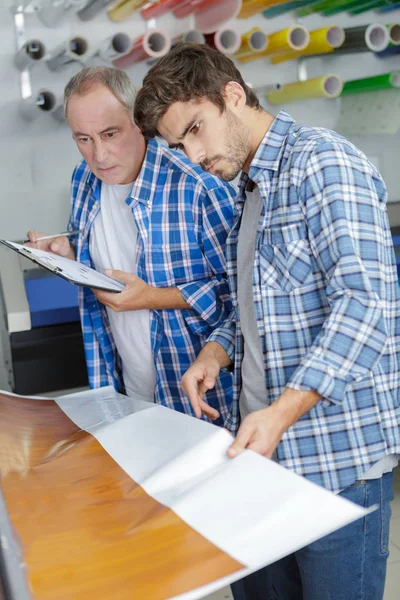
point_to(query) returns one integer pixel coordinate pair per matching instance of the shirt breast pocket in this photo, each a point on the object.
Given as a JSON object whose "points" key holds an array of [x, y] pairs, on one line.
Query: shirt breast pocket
{"points": [[285, 258]]}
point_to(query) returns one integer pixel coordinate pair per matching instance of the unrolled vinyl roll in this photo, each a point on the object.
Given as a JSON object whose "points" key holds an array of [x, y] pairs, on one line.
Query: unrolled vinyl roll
{"points": [[153, 44], [29, 54], [227, 41], [122, 9], [44, 101], [322, 41], [115, 46], [328, 86], [252, 43], [388, 81], [74, 49]]}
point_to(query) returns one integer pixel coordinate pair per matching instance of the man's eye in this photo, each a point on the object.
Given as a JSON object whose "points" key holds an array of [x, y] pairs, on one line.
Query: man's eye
{"points": [[83, 139], [110, 134]]}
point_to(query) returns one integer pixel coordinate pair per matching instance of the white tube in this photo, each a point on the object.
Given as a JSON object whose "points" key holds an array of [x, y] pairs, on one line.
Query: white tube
{"points": [[227, 41], [114, 46], [74, 49], [377, 37], [43, 101], [31, 53]]}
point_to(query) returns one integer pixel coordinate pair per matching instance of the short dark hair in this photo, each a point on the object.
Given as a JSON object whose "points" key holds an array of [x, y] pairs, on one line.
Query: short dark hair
{"points": [[188, 72]]}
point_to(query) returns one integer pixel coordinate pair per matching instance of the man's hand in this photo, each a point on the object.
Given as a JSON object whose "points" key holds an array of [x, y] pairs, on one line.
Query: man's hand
{"points": [[59, 245], [139, 295], [261, 431], [135, 296], [201, 377]]}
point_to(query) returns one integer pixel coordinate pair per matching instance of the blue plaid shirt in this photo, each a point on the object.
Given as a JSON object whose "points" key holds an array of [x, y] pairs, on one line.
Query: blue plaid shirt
{"points": [[183, 216], [326, 299]]}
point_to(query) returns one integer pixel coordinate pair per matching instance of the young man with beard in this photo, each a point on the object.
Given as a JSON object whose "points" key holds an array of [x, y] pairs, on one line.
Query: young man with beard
{"points": [[315, 332]]}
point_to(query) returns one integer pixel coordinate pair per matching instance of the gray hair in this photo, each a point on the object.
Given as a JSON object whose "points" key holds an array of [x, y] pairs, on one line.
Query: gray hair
{"points": [[115, 80]]}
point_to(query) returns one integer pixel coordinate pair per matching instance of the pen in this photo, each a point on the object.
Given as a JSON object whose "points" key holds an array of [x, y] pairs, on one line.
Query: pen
{"points": [[55, 235]]}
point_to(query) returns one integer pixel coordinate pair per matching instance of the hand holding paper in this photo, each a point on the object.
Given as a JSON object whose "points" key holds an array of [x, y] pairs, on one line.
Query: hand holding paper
{"points": [[59, 245], [261, 431], [134, 297], [139, 295]]}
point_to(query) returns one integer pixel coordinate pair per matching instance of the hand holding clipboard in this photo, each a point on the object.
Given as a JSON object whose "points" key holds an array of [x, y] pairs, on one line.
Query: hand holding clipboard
{"points": [[68, 269]]}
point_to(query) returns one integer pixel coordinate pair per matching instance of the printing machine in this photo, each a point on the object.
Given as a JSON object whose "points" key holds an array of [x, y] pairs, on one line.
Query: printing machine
{"points": [[41, 346]]}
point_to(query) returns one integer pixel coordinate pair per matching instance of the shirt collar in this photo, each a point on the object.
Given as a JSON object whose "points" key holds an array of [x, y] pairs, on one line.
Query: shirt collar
{"points": [[144, 187], [269, 152]]}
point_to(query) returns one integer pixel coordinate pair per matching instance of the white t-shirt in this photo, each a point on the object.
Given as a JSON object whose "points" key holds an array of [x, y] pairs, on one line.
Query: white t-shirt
{"points": [[112, 245]]}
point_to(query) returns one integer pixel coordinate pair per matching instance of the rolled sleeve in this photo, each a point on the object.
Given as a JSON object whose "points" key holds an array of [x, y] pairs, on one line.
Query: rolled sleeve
{"points": [[209, 298], [225, 335]]}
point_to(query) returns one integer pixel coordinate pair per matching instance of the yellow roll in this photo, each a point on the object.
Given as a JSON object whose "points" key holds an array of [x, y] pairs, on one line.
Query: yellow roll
{"points": [[253, 7], [252, 42], [322, 41], [328, 86], [294, 38], [121, 9]]}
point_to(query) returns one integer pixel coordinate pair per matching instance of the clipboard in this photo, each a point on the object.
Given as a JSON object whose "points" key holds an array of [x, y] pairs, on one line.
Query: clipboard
{"points": [[70, 270]]}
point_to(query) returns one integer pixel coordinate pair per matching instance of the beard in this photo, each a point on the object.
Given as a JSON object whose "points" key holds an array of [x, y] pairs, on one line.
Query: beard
{"points": [[237, 149]]}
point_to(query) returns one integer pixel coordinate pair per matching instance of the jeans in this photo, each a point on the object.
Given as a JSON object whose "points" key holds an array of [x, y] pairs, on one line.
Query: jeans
{"points": [[348, 564]]}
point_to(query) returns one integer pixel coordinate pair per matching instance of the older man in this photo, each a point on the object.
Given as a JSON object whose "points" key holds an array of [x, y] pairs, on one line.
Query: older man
{"points": [[159, 224]]}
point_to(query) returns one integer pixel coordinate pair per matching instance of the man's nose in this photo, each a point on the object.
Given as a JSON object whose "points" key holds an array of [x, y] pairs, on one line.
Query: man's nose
{"points": [[100, 151], [195, 152]]}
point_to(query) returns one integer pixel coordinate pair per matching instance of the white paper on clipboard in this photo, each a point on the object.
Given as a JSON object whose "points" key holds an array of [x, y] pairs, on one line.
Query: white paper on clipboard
{"points": [[71, 270]]}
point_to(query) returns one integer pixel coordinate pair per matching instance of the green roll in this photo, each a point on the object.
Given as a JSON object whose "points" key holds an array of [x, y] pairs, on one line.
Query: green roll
{"points": [[388, 81]]}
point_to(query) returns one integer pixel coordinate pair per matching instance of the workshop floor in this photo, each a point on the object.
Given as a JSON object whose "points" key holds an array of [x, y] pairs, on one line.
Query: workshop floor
{"points": [[393, 572]]}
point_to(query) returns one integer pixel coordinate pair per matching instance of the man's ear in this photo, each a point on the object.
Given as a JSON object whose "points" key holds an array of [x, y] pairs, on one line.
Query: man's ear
{"points": [[235, 97]]}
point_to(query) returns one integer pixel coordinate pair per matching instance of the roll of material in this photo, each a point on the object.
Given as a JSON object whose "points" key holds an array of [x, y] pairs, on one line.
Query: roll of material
{"points": [[253, 7], [115, 46], [365, 38], [74, 49], [93, 8], [320, 6], [214, 15], [294, 38], [153, 44], [394, 34], [358, 10], [252, 43], [184, 8], [42, 102], [193, 35], [322, 41], [328, 86], [350, 5], [52, 13], [122, 9], [390, 51], [227, 41], [388, 81], [159, 8], [29, 54], [280, 9]]}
